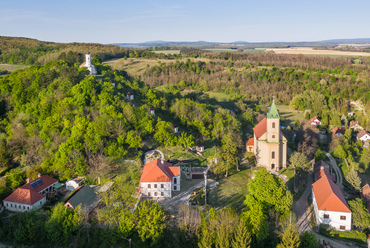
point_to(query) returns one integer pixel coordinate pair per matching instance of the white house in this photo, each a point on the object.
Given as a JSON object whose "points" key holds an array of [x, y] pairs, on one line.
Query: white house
{"points": [[88, 64], [315, 121], [74, 183], [363, 136], [329, 204], [30, 196], [158, 179], [175, 128], [130, 96]]}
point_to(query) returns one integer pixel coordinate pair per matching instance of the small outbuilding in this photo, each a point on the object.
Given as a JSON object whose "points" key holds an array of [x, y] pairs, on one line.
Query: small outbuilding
{"points": [[175, 128], [130, 96], [199, 147], [86, 197], [74, 183]]}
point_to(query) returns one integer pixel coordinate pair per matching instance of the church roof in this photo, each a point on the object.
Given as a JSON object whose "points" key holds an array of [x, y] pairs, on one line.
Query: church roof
{"points": [[260, 128], [273, 112]]}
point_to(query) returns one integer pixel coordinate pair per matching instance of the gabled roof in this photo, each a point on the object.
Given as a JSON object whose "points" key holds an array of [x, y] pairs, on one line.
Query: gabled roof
{"points": [[86, 197], [317, 169], [328, 195], [83, 64], [273, 112], [314, 119], [260, 128], [156, 171], [361, 134], [24, 196], [250, 142], [337, 130], [29, 193]]}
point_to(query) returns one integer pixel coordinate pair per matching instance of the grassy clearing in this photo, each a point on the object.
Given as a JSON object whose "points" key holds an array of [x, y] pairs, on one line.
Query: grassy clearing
{"points": [[219, 96], [11, 68], [168, 51], [290, 114], [177, 152], [254, 51], [231, 191]]}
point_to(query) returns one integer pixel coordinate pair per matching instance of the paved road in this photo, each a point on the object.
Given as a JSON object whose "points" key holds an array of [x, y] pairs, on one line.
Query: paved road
{"points": [[335, 167], [182, 198], [358, 107], [300, 207]]}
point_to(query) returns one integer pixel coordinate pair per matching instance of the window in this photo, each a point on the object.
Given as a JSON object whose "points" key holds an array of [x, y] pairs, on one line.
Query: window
{"points": [[273, 125], [28, 208], [273, 155], [174, 187], [175, 180], [149, 186], [155, 186], [342, 228], [343, 217], [273, 136], [24, 207], [155, 193], [148, 193], [11, 205], [40, 202], [162, 185], [326, 216], [162, 194], [7, 205]]}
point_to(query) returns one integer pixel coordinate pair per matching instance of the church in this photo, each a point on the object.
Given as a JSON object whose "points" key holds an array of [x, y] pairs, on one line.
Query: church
{"points": [[269, 144], [88, 64]]}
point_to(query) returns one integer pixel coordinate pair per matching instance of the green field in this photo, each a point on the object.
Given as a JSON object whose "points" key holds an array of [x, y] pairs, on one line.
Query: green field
{"points": [[11, 68], [168, 51], [290, 114], [231, 191], [254, 51]]}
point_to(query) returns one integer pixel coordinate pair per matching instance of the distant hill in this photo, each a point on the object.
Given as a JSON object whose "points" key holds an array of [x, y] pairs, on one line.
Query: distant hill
{"points": [[243, 44]]}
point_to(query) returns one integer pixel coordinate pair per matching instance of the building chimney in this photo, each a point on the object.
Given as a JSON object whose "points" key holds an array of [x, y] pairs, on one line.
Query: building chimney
{"points": [[98, 180], [321, 168], [162, 161], [39, 175], [28, 180]]}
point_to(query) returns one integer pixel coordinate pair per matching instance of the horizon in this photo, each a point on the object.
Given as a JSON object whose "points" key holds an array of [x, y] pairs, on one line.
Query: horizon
{"points": [[193, 21]]}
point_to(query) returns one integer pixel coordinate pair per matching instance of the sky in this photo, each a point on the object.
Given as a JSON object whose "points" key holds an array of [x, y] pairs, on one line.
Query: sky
{"points": [[186, 20]]}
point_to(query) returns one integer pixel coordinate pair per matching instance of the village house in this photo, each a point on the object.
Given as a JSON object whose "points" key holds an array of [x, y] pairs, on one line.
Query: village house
{"points": [[350, 114], [32, 195], [249, 145], [315, 121], [130, 96], [159, 179], [363, 136], [329, 204], [84, 196], [338, 131], [90, 67], [199, 147], [269, 143], [355, 126]]}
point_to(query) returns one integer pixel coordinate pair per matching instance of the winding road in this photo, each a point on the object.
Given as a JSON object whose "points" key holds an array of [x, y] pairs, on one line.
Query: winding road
{"points": [[335, 167]]}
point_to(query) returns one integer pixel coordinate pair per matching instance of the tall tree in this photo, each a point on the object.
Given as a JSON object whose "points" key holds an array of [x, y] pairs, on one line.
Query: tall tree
{"points": [[353, 179], [300, 161], [360, 215], [242, 237]]}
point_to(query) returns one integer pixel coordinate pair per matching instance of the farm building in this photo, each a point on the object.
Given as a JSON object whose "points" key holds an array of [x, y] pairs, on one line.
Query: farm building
{"points": [[86, 197]]}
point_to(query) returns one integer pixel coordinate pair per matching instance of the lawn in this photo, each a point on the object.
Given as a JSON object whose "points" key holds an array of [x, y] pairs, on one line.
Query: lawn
{"points": [[168, 51], [11, 68], [219, 96], [290, 114], [254, 51], [231, 191]]}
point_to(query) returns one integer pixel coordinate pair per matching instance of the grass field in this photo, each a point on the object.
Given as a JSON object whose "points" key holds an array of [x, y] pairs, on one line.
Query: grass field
{"points": [[11, 68], [221, 50], [290, 114], [168, 51], [231, 191], [311, 51], [254, 51], [219, 96]]}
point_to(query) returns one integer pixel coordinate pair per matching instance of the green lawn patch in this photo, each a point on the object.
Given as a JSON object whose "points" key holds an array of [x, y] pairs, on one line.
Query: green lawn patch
{"points": [[290, 114], [254, 51], [231, 191], [168, 51]]}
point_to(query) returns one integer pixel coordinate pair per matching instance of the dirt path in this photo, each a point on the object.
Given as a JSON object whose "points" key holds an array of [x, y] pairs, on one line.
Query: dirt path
{"points": [[336, 169], [358, 107], [300, 207]]}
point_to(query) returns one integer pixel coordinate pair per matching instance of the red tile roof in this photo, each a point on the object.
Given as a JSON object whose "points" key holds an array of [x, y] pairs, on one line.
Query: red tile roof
{"points": [[328, 195], [28, 195], [82, 65], [314, 119], [155, 171], [260, 128], [337, 130], [250, 142], [317, 169], [24, 196]]}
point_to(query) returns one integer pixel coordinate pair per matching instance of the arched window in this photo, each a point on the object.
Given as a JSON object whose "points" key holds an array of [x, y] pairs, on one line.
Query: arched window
{"points": [[273, 125], [273, 155]]}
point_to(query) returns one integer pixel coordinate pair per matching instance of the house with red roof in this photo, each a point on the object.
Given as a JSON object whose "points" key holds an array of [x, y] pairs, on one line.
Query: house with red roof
{"points": [[30, 196], [315, 121], [329, 204], [269, 143], [249, 144], [338, 131], [158, 179]]}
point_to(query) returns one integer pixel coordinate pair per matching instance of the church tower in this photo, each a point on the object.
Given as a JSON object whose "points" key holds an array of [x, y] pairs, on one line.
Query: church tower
{"points": [[273, 124], [88, 64], [88, 59]]}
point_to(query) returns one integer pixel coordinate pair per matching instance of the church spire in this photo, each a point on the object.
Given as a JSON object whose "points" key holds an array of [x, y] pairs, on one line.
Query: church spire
{"points": [[273, 112]]}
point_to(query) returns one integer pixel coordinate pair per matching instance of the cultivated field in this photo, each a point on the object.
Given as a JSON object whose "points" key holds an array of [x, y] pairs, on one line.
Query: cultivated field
{"points": [[235, 50], [168, 51], [311, 51]]}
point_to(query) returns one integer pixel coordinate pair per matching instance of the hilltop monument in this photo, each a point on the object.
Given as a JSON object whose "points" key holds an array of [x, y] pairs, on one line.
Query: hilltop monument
{"points": [[88, 64], [269, 144]]}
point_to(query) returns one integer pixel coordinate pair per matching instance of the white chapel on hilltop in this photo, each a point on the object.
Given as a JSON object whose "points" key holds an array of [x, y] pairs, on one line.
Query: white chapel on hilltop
{"points": [[88, 64]]}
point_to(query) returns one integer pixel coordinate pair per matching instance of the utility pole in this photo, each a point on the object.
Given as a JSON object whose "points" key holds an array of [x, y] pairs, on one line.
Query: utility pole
{"points": [[129, 243]]}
